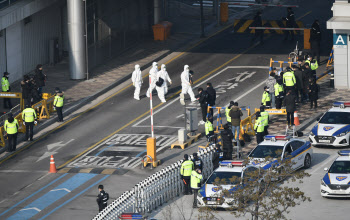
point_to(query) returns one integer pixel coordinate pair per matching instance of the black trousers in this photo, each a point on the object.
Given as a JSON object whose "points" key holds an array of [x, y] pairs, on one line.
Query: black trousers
{"points": [[259, 137], [29, 130], [300, 95], [258, 34], [312, 102], [7, 103], [211, 112], [266, 132], [290, 118], [12, 142], [291, 88], [187, 183], [59, 113], [278, 102], [228, 155], [195, 193], [315, 50], [204, 112], [101, 207]]}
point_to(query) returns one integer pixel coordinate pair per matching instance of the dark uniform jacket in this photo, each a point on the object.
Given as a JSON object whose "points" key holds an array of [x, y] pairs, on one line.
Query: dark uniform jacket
{"points": [[299, 76], [211, 96], [315, 34], [226, 138], [198, 163], [39, 78], [289, 101], [203, 97], [102, 198], [313, 95]]}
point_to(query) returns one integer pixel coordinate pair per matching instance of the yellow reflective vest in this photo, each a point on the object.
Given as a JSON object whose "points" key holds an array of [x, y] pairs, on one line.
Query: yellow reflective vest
{"points": [[265, 97], [28, 115], [227, 113], [278, 89], [186, 168], [313, 65], [289, 78], [208, 127], [11, 128], [195, 179], [259, 125], [5, 84], [265, 118], [58, 102]]}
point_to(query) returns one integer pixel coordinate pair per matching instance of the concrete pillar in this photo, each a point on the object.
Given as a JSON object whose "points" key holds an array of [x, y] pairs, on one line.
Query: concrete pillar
{"points": [[76, 38], [156, 11]]}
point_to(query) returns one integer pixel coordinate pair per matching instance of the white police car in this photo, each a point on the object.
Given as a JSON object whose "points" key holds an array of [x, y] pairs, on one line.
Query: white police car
{"points": [[228, 175], [336, 182], [333, 128], [282, 147]]}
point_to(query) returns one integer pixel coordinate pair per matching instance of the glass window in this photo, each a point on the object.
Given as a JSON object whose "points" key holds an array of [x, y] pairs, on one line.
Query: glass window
{"points": [[340, 167], [263, 151], [336, 118], [296, 145], [225, 178]]}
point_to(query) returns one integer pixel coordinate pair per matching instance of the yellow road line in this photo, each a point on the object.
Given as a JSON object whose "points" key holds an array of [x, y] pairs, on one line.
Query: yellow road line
{"points": [[274, 24], [245, 26]]}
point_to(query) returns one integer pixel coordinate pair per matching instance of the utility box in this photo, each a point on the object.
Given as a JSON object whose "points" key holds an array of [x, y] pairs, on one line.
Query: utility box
{"points": [[182, 135], [192, 116]]}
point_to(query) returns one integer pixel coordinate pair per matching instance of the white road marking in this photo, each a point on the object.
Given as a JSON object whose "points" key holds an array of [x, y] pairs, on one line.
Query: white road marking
{"points": [[148, 126], [64, 189], [23, 171], [130, 148], [34, 208]]}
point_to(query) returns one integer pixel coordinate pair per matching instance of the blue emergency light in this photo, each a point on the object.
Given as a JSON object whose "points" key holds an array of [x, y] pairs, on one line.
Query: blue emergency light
{"points": [[341, 104], [231, 163], [131, 216], [277, 137], [344, 152]]}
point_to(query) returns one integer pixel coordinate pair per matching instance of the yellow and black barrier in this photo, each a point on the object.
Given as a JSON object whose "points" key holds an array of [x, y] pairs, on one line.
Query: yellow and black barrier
{"points": [[280, 64], [242, 26], [273, 111]]}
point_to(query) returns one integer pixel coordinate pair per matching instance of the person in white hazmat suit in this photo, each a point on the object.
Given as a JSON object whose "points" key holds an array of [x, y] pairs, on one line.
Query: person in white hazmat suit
{"points": [[186, 84], [137, 81], [153, 74], [163, 89]]}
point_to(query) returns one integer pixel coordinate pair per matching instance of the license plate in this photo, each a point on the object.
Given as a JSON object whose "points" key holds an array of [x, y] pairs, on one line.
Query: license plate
{"points": [[324, 141], [211, 202]]}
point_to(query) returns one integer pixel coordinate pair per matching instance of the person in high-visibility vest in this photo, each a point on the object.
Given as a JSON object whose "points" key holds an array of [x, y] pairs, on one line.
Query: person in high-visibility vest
{"points": [[5, 85], [289, 79], [279, 93], [196, 178], [29, 119], [227, 112], [259, 128], [58, 104], [266, 99], [265, 115], [209, 129], [186, 168], [11, 128], [313, 64]]}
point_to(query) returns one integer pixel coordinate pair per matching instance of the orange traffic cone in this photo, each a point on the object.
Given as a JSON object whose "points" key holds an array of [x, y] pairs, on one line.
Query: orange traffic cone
{"points": [[296, 119], [52, 165]]}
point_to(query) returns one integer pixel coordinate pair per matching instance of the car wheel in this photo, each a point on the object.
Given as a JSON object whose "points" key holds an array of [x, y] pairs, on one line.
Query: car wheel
{"points": [[307, 161]]}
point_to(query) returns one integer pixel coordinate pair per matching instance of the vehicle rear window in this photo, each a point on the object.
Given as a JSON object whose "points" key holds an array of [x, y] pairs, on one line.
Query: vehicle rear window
{"points": [[263, 151], [226, 178], [336, 118]]}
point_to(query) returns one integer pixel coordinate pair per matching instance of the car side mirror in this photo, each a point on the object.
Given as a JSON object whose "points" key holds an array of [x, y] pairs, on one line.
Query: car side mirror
{"points": [[325, 169]]}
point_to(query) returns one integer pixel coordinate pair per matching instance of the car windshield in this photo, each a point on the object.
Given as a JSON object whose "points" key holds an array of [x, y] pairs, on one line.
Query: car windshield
{"points": [[263, 151], [340, 167], [336, 118], [225, 178]]}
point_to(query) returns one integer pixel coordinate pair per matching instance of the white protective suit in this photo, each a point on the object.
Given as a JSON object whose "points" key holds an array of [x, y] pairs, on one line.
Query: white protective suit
{"points": [[163, 90], [153, 74], [185, 83], [137, 81]]}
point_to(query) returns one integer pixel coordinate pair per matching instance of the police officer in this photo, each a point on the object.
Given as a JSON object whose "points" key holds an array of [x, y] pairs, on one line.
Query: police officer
{"points": [[290, 23], [196, 178], [218, 156], [29, 119], [265, 115], [11, 128], [227, 112], [186, 168], [259, 128], [313, 65], [279, 94], [266, 99], [102, 198], [202, 99], [226, 138], [58, 104], [209, 129], [198, 163], [5, 85], [289, 79]]}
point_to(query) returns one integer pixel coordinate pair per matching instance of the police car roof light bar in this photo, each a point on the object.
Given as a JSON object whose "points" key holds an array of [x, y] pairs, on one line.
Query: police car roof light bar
{"points": [[277, 137], [131, 216], [344, 153], [231, 163], [344, 104]]}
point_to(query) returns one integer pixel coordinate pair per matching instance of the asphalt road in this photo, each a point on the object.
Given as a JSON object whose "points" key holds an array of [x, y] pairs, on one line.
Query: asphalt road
{"points": [[110, 138]]}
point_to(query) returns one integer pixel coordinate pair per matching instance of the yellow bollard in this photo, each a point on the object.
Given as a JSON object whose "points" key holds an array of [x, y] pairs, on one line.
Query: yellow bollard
{"points": [[223, 12], [152, 151]]}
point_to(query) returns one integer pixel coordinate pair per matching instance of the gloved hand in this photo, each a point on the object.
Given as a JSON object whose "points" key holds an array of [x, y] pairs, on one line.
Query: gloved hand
{"points": [[54, 108], [189, 83], [171, 82], [24, 123], [35, 122], [133, 84]]}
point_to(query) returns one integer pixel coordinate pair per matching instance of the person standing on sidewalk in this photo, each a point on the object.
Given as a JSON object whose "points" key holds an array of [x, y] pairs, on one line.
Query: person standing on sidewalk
{"points": [[211, 97], [299, 77], [265, 117], [279, 93], [202, 99], [153, 75], [289, 79], [102, 198], [29, 119], [39, 78], [236, 114], [259, 128], [270, 83], [266, 99], [5, 84], [197, 162], [186, 83], [315, 39], [226, 138], [227, 113], [289, 102], [186, 169], [196, 178], [58, 104], [137, 81], [313, 93], [11, 128], [26, 90]]}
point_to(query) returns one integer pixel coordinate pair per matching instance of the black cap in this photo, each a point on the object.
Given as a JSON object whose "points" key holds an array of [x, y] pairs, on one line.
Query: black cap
{"points": [[265, 87], [262, 108], [27, 106], [6, 73], [10, 115], [191, 72], [195, 154], [232, 103], [100, 186], [186, 156]]}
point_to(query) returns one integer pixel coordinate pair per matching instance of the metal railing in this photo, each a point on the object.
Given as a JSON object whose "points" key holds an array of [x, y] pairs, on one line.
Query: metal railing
{"points": [[157, 189]]}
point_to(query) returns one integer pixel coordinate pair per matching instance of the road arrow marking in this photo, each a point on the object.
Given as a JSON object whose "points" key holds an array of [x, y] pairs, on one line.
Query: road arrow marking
{"points": [[58, 144], [65, 189], [55, 146], [35, 208]]}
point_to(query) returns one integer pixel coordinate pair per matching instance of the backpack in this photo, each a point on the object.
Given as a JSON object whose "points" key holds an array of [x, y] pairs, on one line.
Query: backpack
{"points": [[160, 82]]}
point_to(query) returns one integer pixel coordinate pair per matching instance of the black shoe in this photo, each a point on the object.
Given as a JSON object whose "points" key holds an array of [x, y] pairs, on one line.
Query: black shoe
{"points": [[31, 139]]}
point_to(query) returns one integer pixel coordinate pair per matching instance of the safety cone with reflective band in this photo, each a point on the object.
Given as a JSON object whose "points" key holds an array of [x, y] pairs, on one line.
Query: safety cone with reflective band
{"points": [[296, 119], [52, 165]]}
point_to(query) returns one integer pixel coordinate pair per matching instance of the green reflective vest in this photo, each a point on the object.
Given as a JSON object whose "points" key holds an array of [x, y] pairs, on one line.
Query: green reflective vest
{"points": [[259, 125], [278, 89], [5, 84], [195, 179], [186, 168], [313, 65], [28, 115], [265, 118], [208, 127], [227, 113], [265, 98], [11, 128], [289, 78], [58, 102]]}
